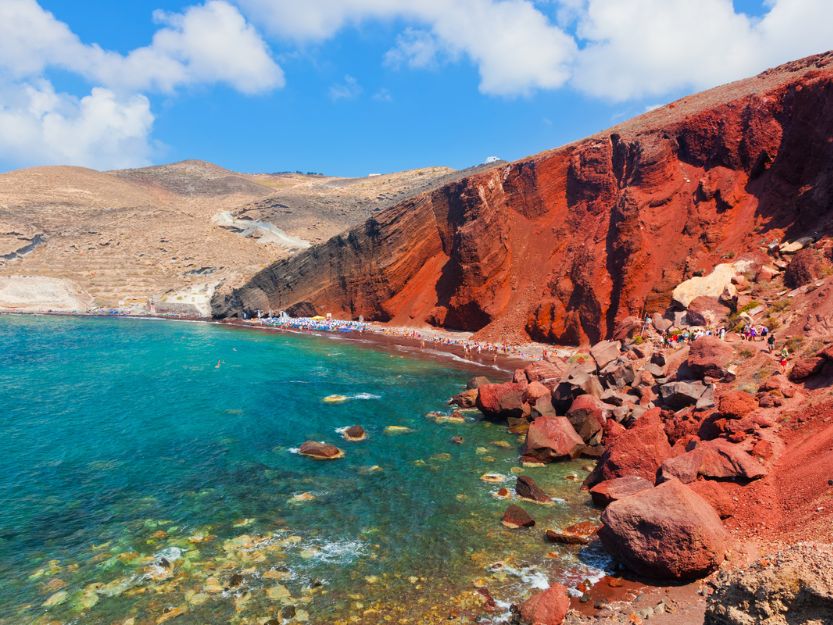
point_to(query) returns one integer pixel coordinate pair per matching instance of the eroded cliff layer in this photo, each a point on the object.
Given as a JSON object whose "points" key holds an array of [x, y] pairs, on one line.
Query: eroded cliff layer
{"points": [[561, 245]]}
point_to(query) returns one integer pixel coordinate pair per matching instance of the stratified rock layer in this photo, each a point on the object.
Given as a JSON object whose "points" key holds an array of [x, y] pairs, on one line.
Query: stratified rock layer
{"points": [[562, 245]]}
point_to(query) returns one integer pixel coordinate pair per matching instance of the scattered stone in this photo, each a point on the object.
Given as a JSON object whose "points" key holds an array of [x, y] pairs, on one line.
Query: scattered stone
{"points": [[638, 451], [552, 438], [678, 395], [717, 459], [526, 488], [355, 433], [576, 534], [587, 414], [320, 451], [502, 401], [806, 368], [709, 356], [516, 517], [605, 352], [737, 404], [398, 429], [609, 491], [666, 532], [477, 381]]}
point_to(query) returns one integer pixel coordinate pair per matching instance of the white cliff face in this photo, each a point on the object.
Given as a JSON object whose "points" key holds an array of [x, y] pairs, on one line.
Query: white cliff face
{"points": [[712, 285], [40, 294], [262, 231]]}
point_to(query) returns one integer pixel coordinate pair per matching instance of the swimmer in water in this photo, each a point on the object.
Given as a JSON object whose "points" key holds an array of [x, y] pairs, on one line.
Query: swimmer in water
{"points": [[217, 366]]}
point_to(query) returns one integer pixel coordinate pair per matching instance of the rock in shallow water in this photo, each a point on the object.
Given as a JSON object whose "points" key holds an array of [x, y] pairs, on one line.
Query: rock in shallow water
{"points": [[546, 608], [516, 517], [320, 451]]}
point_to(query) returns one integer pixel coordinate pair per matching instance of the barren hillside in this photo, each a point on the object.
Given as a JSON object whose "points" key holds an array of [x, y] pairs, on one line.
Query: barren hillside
{"points": [[163, 238]]}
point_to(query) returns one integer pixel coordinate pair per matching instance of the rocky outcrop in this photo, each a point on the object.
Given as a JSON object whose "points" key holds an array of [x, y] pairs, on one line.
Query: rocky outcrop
{"points": [[667, 532], [561, 246], [795, 586], [516, 517]]}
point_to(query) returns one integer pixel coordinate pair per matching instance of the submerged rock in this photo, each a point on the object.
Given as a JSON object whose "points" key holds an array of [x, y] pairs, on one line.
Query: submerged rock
{"points": [[516, 517], [320, 451], [526, 488], [576, 534], [354, 433]]}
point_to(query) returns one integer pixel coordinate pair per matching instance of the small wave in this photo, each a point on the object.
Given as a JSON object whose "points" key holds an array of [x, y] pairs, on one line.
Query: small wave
{"points": [[530, 576], [294, 450], [366, 396]]}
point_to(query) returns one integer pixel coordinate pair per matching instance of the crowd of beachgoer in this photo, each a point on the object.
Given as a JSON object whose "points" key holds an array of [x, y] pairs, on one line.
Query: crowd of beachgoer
{"points": [[484, 350]]}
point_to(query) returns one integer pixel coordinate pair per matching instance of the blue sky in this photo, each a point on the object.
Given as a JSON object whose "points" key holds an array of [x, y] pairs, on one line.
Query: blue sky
{"points": [[342, 106]]}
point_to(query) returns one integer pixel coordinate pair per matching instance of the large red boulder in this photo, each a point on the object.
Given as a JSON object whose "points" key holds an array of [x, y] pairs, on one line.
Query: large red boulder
{"points": [[502, 401], [545, 372], [806, 368], [546, 608], [516, 517], [706, 311], [588, 415], [709, 356], [713, 460], [639, 451], [806, 266], [539, 398], [618, 488], [668, 532], [737, 404], [552, 438]]}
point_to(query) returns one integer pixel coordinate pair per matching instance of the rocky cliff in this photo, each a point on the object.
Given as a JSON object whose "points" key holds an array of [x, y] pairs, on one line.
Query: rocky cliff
{"points": [[560, 246]]}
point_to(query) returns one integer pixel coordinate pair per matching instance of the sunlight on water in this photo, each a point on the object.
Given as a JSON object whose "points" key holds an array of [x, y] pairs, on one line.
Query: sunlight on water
{"points": [[140, 480]]}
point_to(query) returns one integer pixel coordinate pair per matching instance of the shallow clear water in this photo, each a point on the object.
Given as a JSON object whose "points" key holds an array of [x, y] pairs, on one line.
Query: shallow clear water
{"points": [[140, 481]]}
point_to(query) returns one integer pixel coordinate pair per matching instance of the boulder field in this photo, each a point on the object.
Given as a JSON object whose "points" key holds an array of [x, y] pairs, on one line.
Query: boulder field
{"points": [[579, 243]]}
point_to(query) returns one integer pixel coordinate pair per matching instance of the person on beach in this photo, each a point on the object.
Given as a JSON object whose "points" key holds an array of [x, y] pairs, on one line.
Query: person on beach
{"points": [[770, 343], [785, 354]]}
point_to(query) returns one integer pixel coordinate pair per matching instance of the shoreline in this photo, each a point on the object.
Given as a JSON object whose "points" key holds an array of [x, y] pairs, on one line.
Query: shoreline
{"points": [[430, 344]]}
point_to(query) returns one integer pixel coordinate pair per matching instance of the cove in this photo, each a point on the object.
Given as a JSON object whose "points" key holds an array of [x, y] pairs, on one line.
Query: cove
{"points": [[140, 482]]}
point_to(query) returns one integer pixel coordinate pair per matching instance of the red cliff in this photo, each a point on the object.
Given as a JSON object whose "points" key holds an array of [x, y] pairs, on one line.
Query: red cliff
{"points": [[559, 246]]}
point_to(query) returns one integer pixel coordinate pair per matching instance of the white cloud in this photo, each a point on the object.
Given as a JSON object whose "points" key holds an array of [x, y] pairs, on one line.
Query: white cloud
{"points": [[652, 47], [515, 47], [205, 44], [415, 48], [383, 95], [350, 89], [100, 130], [622, 49]]}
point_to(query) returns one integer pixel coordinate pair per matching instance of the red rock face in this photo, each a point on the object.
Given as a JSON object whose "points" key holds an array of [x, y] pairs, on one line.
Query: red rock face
{"points": [[562, 245]]}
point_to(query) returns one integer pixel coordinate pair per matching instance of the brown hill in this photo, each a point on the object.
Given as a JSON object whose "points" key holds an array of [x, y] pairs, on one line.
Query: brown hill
{"points": [[165, 237], [561, 245]]}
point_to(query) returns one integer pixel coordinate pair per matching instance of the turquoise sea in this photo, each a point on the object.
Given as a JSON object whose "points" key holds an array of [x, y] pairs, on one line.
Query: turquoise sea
{"points": [[141, 483]]}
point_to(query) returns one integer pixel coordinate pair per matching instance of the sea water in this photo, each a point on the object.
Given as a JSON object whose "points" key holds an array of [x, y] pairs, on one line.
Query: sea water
{"points": [[149, 473]]}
